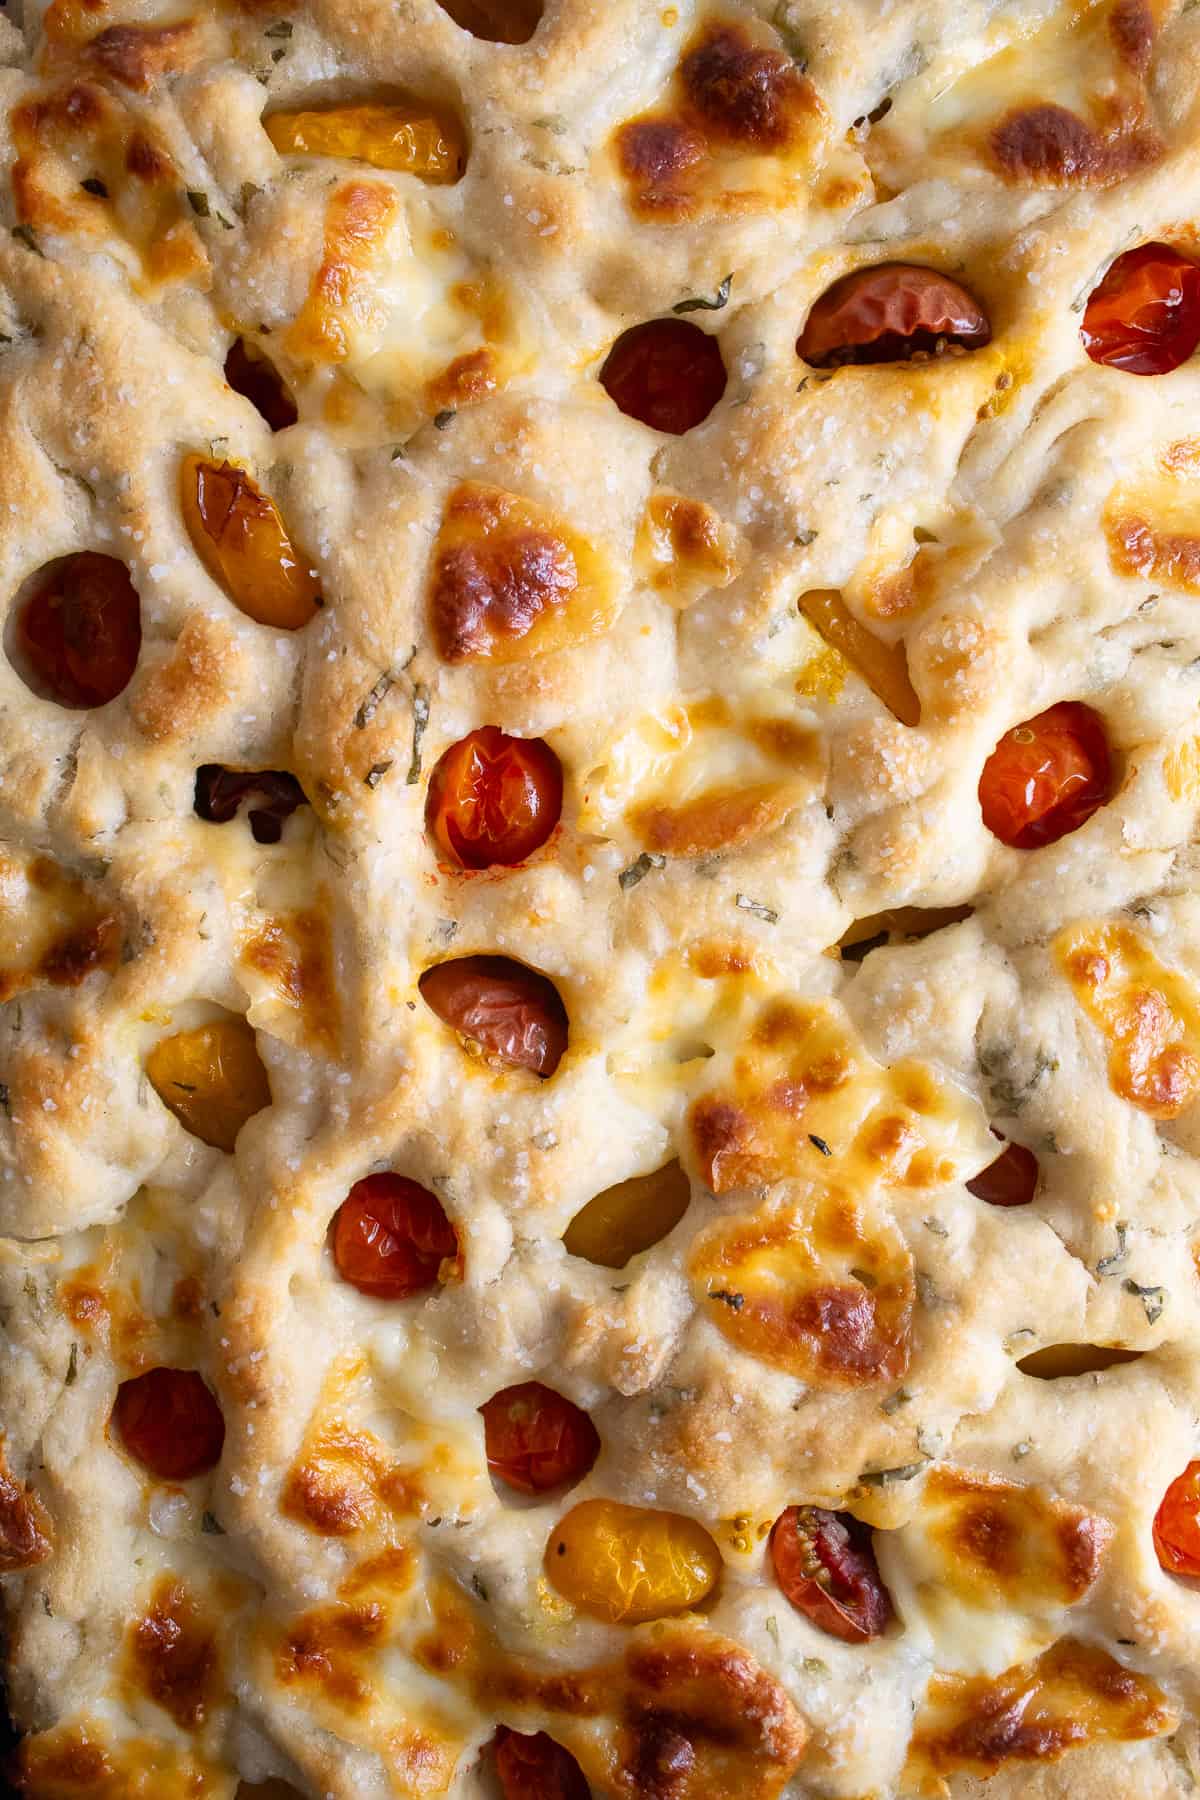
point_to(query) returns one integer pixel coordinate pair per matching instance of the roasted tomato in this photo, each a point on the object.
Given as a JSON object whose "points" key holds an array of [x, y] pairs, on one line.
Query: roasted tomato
{"points": [[628, 1564], [1047, 776], [537, 1440], [536, 1768], [391, 1237], [252, 374], [825, 1564], [512, 1014], [891, 313], [493, 799], [273, 796], [169, 1421], [211, 1078], [1177, 1524], [1144, 317], [80, 630], [405, 137], [624, 1220], [1009, 1181], [667, 373], [240, 538]]}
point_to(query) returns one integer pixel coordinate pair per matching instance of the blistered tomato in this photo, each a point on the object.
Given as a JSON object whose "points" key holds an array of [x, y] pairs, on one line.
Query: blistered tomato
{"points": [[169, 1421], [667, 373], [825, 1564], [391, 1237], [251, 373], [240, 538], [1011, 1180], [1177, 1524], [388, 136], [891, 313], [80, 630], [211, 1078], [493, 799], [270, 797], [1047, 776], [510, 1013], [536, 1439], [1144, 317], [627, 1564]]}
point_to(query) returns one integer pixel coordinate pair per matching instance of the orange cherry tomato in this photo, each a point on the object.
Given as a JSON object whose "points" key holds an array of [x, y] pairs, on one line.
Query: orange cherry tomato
{"points": [[493, 799], [825, 1564], [239, 536], [1046, 776], [391, 1237], [536, 1439], [169, 1421], [1144, 317], [536, 1768], [890, 313], [1011, 1180], [667, 373], [252, 374], [512, 1013], [80, 630], [1177, 1524]]}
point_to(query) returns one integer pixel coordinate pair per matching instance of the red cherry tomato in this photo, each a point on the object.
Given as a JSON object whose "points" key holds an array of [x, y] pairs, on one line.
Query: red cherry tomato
{"points": [[825, 1564], [1009, 1181], [667, 373], [1046, 776], [514, 1014], [1144, 317], [254, 376], [536, 1439], [890, 313], [391, 1237], [493, 798], [1177, 1524], [169, 1421], [80, 630], [536, 1768]]}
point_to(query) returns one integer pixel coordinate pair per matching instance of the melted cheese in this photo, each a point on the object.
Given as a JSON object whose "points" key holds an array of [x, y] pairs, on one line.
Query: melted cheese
{"points": [[54, 930], [1150, 521], [1149, 1015]]}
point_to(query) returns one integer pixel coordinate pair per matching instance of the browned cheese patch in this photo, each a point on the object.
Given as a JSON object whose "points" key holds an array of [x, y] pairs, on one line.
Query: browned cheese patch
{"points": [[26, 1534], [54, 930], [1074, 1694], [739, 123], [684, 548], [294, 951], [1001, 1543], [1147, 1013], [171, 1655], [357, 221]]}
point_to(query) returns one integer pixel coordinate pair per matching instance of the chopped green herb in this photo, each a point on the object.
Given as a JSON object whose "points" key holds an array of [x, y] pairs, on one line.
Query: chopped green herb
{"points": [[1152, 1298], [813, 1667], [818, 1143], [282, 28], [637, 871], [72, 1374], [806, 537], [720, 299], [211, 1526], [895, 1401], [376, 773], [199, 203], [420, 713], [735, 1302], [442, 419], [370, 705], [881, 1477], [765, 913], [94, 185], [25, 234], [1021, 1450], [1107, 1264]]}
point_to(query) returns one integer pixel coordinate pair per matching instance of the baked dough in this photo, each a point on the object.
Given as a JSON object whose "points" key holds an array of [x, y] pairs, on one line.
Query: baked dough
{"points": [[772, 654]]}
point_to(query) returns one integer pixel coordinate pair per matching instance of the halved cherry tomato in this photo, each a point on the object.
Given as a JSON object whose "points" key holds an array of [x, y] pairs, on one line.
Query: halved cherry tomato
{"points": [[1011, 1180], [391, 1237], [1177, 1524], [1046, 776], [252, 374], [1144, 317], [212, 1078], [536, 1768], [891, 313], [169, 1421], [536, 1439], [667, 373], [493, 798], [240, 538], [825, 1564], [512, 1013], [80, 630], [273, 796]]}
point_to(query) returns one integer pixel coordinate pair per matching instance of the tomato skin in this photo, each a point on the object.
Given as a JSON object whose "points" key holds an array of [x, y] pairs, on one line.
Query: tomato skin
{"points": [[630, 1564], [493, 799], [1046, 776], [1011, 1180], [1144, 317], [513, 1013], [536, 1768], [254, 376], [536, 1439], [1177, 1524], [239, 536], [391, 1237], [169, 1421], [890, 313], [809, 1541], [271, 796], [80, 630], [667, 372]]}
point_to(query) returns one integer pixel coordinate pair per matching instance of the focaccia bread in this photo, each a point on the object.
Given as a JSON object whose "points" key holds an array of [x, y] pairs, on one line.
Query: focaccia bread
{"points": [[600, 899]]}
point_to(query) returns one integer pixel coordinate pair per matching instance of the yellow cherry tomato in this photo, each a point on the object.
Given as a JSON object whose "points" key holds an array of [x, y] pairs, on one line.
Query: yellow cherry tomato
{"points": [[627, 1564], [240, 538], [629, 1217], [411, 138], [211, 1079]]}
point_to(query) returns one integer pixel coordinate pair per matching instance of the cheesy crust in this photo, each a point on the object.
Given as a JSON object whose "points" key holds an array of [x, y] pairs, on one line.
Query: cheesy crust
{"points": [[319, 341]]}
